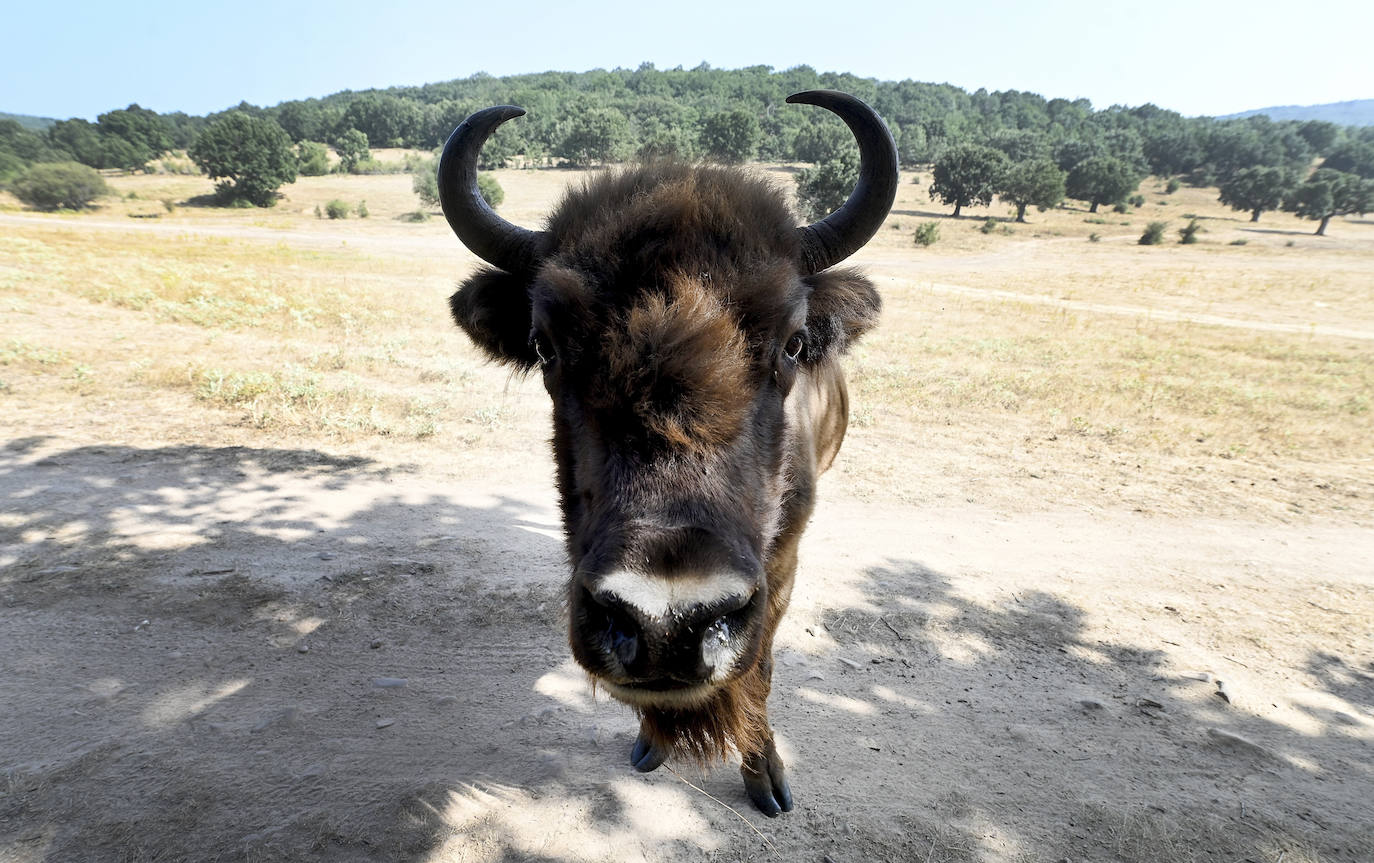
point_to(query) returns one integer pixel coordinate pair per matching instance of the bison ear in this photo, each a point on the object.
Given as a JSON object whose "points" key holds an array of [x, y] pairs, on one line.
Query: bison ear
{"points": [[842, 307], [493, 308]]}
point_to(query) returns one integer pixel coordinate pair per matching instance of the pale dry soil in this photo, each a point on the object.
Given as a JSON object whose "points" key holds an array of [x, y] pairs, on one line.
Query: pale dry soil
{"points": [[223, 639]]}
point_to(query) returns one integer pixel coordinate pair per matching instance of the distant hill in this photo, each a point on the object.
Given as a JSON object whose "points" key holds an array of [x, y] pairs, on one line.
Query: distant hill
{"points": [[34, 124], [1358, 112]]}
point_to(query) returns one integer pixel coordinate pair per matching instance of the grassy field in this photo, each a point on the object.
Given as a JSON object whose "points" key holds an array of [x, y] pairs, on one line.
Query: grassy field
{"points": [[1014, 360]]}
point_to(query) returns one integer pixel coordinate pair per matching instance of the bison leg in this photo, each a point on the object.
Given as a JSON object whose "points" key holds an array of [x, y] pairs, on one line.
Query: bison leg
{"points": [[646, 755], [765, 781]]}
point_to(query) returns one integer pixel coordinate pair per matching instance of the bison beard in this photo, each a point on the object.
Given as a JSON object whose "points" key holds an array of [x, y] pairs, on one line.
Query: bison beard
{"points": [[687, 332]]}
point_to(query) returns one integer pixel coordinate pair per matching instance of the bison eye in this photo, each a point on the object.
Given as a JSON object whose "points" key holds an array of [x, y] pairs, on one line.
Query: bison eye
{"points": [[543, 348], [795, 346]]}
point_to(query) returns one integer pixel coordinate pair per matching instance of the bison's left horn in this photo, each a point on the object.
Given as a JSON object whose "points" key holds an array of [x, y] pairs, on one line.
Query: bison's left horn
{"points": [[490, 237], [843, 232]]}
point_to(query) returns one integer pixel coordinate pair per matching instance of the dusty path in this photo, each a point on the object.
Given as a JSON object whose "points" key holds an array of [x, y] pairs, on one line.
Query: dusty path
{"points": [[262, 654]]}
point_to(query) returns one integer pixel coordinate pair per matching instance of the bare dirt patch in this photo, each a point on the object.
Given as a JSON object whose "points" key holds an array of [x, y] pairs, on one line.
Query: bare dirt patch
{"points": [[1082, 586]]}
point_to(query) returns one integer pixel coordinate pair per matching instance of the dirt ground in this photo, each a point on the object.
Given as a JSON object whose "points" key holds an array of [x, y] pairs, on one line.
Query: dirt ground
{"points": [[220, 645]]}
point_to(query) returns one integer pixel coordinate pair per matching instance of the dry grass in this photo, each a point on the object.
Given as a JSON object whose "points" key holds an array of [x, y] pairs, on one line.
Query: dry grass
{"points": [[273, 322]]}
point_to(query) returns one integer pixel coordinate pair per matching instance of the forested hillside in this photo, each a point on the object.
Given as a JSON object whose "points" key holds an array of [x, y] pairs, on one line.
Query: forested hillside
{"points": [[732, 115]]}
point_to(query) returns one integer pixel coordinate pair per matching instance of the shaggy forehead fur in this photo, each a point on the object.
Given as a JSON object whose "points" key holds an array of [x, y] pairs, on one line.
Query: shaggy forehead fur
{"points": [[665, 292]]}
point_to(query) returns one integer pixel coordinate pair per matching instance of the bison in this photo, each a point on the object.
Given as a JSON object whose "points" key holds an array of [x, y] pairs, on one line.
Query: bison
{"points": [[688, 332]]}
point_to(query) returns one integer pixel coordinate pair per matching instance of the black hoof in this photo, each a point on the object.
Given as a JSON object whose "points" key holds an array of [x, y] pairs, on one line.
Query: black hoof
{"points": [[765, 781], [645, 756]]}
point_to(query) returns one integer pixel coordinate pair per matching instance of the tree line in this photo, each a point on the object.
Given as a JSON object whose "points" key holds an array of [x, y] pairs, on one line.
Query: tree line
{"points": [[602, 116]]}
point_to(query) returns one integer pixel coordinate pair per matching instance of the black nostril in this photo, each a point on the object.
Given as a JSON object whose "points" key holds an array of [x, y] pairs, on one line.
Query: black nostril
{"points": [[622, 639]]}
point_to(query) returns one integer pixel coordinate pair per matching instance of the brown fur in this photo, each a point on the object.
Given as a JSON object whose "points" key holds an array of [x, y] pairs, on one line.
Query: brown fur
{"points": [[685, 359], [682, 433]]}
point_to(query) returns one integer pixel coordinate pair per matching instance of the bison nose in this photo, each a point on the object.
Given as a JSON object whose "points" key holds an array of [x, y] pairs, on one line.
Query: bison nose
{"points": [[655, 637]]}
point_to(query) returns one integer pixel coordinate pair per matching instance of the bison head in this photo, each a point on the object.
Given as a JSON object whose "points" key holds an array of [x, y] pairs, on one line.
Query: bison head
{"points": [[685, 328]]}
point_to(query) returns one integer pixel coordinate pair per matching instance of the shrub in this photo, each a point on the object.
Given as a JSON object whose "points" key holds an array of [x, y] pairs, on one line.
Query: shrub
{"points": [[1093, 238], [1239, 242], [336, 209], [1188, 233], [1136, 201], [989, 225], [314, 158], [416, 216], [927, 233], [821, 189], [425, 182], [1120, 207], [1154, 234], [490, 190], [362, 209], [53, 185], [1173, 186]]}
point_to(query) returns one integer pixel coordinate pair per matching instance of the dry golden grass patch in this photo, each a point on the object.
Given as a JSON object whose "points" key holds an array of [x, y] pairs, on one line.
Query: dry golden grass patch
{"points": [[319, 330], [1145, 384], [296, 342]]}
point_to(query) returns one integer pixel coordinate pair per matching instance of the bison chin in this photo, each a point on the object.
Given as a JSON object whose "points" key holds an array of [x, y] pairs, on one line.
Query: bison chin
{"points": [[703, 723]]}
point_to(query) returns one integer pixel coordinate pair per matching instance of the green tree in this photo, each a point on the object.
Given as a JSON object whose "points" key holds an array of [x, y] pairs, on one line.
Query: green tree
{"points": [[597, 136], [79, 138], [659, 140], [821, 189], [303, 121], [250, 156], [352, 147], [731, 136], [1352, 157], [1319, 135], [53, 185], [1021, 145], [1330, 193], [147, 135], [1037, 183], [1101, 180], [386, 120], [1256, 190], [968, 175], [313, 157], [1067, 154], [820, 142], [115, 152]]}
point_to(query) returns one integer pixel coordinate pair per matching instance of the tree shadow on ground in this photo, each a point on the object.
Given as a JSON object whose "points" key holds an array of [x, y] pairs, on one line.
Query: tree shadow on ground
{"points": [[1280, 231], [1016, 703], [932, 214], [235, 654]]}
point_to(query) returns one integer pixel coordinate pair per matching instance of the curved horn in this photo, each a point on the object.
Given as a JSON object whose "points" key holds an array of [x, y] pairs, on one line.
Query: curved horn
{"points": [[843, 232], [487, 235]]}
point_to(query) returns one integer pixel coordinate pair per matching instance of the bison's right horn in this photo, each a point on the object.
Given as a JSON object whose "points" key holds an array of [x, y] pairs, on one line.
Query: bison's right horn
{"points": [[843, 232], [487, 235]]}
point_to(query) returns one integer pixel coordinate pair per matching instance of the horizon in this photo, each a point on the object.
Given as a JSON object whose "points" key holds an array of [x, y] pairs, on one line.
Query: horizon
{"points": [[1073, 49]]}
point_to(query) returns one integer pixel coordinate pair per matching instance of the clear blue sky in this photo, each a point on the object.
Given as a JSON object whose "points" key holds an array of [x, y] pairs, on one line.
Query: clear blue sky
{"points": [[1197, 57]]}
